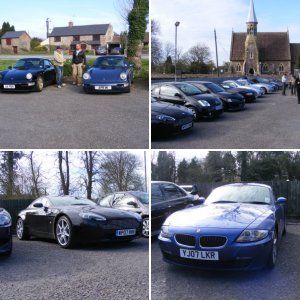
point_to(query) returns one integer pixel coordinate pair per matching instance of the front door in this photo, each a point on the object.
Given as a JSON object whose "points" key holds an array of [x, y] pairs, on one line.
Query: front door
{"points": [[15, 49]]}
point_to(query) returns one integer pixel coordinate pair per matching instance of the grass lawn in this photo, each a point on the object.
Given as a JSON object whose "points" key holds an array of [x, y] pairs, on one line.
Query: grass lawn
{"points": [[4, 64]]}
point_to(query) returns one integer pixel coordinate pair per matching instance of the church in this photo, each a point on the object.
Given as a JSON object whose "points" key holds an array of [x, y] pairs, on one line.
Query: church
{"points": [[254, 52]]}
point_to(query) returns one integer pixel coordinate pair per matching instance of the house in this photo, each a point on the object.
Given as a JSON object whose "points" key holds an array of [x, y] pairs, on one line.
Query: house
{"points": [[15, 41], [254, 52], [89, 36]]}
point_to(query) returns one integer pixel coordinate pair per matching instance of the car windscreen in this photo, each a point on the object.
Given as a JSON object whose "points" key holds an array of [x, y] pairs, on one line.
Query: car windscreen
{"points": [[240, 194], [25, 64], [110, 62], [189, 89], [142, 196], [214, 88], [65, 201]]}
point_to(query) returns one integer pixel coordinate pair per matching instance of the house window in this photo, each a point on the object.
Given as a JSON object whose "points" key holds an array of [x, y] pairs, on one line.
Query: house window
{"points": [[57, 39], [265, 67], [281, 68], [96, 37], [76, 38], [8, 42], [238, 68]]}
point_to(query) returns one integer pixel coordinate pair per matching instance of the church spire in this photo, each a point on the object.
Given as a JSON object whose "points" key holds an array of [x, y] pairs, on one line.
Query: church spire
{"points": [[251, 15]]}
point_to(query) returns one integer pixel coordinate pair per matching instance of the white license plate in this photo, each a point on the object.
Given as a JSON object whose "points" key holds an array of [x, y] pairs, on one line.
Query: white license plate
{"points": [[103, 87], [9, 86], [201, 255], [125, 232], [186, 126]]}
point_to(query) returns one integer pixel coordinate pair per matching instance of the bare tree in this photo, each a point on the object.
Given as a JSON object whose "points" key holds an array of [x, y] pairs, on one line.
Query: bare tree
{"points": [[156, 47], [64, 171], [119, 172], [200, 53]]}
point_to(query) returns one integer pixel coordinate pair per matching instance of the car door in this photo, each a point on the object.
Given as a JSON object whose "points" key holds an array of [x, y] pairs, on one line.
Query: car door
{"points": [[279, 215], [171, 94], [49, 72]]}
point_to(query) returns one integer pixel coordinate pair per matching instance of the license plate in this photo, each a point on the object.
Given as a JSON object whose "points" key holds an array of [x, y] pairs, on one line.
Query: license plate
{"points": [[201, 255], [186, 126], [103, 87], [125, 232], [9, 86]]}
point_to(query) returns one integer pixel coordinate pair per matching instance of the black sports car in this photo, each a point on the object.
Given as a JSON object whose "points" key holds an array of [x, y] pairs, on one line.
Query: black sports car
{"points": [[110, 73], [70, 220], [182, 93], [250, 96], [231, 101], [5, 232], [28, 74], [134, 201], [167, 118]]}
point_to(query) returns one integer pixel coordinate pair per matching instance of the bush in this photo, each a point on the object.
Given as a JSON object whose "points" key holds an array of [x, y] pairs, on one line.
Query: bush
{"points": [[40, 49], [24, 49]]}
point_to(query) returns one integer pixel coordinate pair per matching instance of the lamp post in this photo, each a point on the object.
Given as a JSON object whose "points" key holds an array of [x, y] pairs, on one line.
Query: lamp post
{"points": [[176, 25]]}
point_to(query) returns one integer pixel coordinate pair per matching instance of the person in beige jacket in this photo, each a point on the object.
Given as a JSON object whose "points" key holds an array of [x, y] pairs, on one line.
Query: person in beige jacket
{"points": [[59, 61]]}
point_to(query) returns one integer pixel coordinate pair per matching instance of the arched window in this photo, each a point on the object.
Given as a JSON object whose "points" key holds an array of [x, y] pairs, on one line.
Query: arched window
{"points": [[265, 67], [251, 55], [281, 68], [238, 68]]}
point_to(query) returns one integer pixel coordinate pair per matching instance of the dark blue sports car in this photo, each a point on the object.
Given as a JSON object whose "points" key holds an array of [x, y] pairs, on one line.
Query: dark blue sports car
{"points": [[111, 73], [28, 74], [5, 232], [237, 227]]}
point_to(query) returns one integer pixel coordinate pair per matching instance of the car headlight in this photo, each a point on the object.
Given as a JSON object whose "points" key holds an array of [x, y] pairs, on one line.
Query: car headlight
{"points": [[28, 76], [4, 220], [123, 76], [165, 231], [91, 216], [252, 235], [86, 76], [203, 103], [229, 100], [165, 118]]}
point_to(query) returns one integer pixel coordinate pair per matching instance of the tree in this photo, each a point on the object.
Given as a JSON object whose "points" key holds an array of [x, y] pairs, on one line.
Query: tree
{"points": [[6, 27], [35, 42], [156, 52], [137, 20], [183, 171], [229, 166], [64, 171], [119, 172], [165, 169], [214, 166]]}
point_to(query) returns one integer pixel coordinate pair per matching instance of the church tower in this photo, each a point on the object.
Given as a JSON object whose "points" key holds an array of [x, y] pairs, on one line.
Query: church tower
{"points": [[251, 62]]}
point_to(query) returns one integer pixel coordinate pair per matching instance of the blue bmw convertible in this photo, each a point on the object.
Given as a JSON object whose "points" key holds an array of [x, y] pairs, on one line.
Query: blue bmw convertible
{"points": [[237, 227]]}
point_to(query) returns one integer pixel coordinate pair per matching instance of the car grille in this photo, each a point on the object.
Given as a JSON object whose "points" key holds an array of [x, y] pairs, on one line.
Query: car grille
{"points": [[120, 224], [212, 241], [187, 240], [228, 264], [185, 120]]}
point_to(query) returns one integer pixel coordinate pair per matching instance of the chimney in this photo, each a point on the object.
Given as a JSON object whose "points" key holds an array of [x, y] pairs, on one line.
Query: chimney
{"points": [[71, 24]]}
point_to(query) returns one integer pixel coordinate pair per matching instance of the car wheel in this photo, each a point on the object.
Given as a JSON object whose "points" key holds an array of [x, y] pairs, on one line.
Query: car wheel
{"points": [[64, 232], [145, 230], [265, 90], [21, 231], [273, 253], [195, 112], [39, 84]]}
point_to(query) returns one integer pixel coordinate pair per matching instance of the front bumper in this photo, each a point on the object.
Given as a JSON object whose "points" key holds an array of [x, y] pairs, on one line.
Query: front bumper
{"points": [[211, 111], [233, 256], [181, 125], [19, 86], [235, 105], [5, 239], [107, 87]]}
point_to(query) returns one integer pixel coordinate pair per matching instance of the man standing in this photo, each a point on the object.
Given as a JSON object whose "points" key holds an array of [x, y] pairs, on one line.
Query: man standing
{"points": [[297, 84], [59, 66], [78, 62], [284, 81]]}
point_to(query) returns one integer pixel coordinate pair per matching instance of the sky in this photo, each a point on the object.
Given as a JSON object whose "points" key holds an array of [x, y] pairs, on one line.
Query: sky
{"points": [[31, 15], [199, 18]]}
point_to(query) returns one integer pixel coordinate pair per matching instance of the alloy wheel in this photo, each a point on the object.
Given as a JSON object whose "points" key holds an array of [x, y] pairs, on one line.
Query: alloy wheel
{"points": [[40, 83], [145, 230], [63, 231], [274, 250], [20, 228]]}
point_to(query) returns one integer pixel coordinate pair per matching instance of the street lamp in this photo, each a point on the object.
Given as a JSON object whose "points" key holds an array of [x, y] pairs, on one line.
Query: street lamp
{"points": [[177, 23]]}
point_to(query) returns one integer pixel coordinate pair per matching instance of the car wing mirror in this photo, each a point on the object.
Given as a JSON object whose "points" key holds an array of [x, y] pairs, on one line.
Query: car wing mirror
{"points": [[178, 95], [132, 203], [38, 205], [46, 209], [201, 200], [281, 200], [10, 67], [194, 190]]}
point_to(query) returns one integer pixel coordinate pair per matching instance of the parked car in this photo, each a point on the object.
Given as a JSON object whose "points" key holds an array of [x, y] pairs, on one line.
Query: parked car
{"points": [[111, 73], [191, 189], [237, 84], [5, 233], [250, 96], [167, 118], [238, 227], [275, 84], [69, 221], [166, 198], [134, 201], [267, 88], [231, 101], [28, 74], [101, 50], [187, 95]]}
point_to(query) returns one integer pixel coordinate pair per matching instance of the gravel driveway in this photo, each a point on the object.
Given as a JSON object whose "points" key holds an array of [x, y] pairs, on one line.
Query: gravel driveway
{"points": [[40, 269]]}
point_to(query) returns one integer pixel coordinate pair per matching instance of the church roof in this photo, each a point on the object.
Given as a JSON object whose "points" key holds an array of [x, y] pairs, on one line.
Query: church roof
{"points": [[251, 15], [271, 46]]}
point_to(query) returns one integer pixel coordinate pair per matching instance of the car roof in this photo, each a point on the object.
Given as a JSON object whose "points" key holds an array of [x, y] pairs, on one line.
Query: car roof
{"points": [[248, 183], [162, 182]]}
